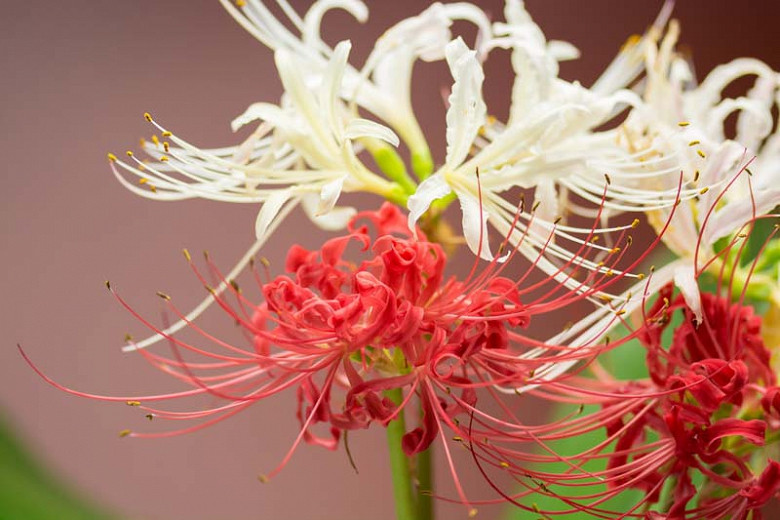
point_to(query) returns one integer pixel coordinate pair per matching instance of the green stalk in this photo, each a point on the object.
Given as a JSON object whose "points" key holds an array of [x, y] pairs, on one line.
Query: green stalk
{"points": [[405, 508], [425, 478]]}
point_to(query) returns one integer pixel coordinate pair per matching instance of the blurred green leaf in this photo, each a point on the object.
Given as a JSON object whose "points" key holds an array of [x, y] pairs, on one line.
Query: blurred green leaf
{"points": [[29, 492]]}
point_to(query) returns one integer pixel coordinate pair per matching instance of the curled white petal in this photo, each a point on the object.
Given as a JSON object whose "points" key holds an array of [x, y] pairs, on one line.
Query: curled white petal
{"points": [[334, 220], [329, 194], [685, 280], [270, 209], [475, 229], [432, 188], [467, 110], [359, 127]]}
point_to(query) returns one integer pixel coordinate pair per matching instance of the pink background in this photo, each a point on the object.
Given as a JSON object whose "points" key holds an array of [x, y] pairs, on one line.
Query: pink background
{"points": [[76, 78]]}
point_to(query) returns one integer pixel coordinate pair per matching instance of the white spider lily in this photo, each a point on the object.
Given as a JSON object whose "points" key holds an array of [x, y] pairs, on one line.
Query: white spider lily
{"points": [[302, 150], [382, 86], [684, 125], [548, 143]]}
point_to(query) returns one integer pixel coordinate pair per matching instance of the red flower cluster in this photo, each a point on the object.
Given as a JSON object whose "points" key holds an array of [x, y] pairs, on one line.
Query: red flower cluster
{"points": [[344, 334]]}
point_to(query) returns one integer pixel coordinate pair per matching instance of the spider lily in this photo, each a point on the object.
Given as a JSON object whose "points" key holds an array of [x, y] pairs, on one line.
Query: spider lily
{"points": [[343, 334], [681, 125], [696, 437]]}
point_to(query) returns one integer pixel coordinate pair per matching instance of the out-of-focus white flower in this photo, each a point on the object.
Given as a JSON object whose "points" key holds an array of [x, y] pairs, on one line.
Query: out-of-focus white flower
{"points": [[683, 126]]}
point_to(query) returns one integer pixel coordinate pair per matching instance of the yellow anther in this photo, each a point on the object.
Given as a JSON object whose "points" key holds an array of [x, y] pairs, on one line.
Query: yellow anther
{"points": [[129, 153], [262, 478], [155, 140], [614, 250], [630, 42], [457, 438], [166, 133], [111, 157], [166, 146], [620, 312], [701, 154], [472, 513], [163, 159], [635, 223], [163, 295], [142, 142], [503, 464], [148, 116], [694, 143], [240, 3], [703, 191], [683, 123], [153, 188], [187, 254], [143, 180], [133, 403], [125, 433], [128, 338], [640, 276]]}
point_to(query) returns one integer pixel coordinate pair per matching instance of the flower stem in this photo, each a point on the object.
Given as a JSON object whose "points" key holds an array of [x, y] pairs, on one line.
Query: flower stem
{"points": [[399, 463], [425, 478]]}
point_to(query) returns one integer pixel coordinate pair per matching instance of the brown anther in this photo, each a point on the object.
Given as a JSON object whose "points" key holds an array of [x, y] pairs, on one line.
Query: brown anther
{"points": [[696, 175], [163, 295], [609, 181], [166, 146], [149, 416], [262, 478], [128, 337]]}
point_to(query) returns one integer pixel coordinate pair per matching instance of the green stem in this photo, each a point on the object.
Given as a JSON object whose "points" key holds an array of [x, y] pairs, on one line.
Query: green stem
{"points": [[399, 463], [425, 478]]}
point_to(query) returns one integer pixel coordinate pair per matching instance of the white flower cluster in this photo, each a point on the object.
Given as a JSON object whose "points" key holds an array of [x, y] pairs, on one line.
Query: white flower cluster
{"points": [[644, 137]]}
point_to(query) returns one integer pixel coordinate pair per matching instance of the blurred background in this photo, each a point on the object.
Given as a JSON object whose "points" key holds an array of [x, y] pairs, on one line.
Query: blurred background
{"points": [[76, 78]]}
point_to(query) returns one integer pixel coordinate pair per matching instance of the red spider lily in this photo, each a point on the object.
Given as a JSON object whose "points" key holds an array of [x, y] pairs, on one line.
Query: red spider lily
{"points": [[342, 333]]}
